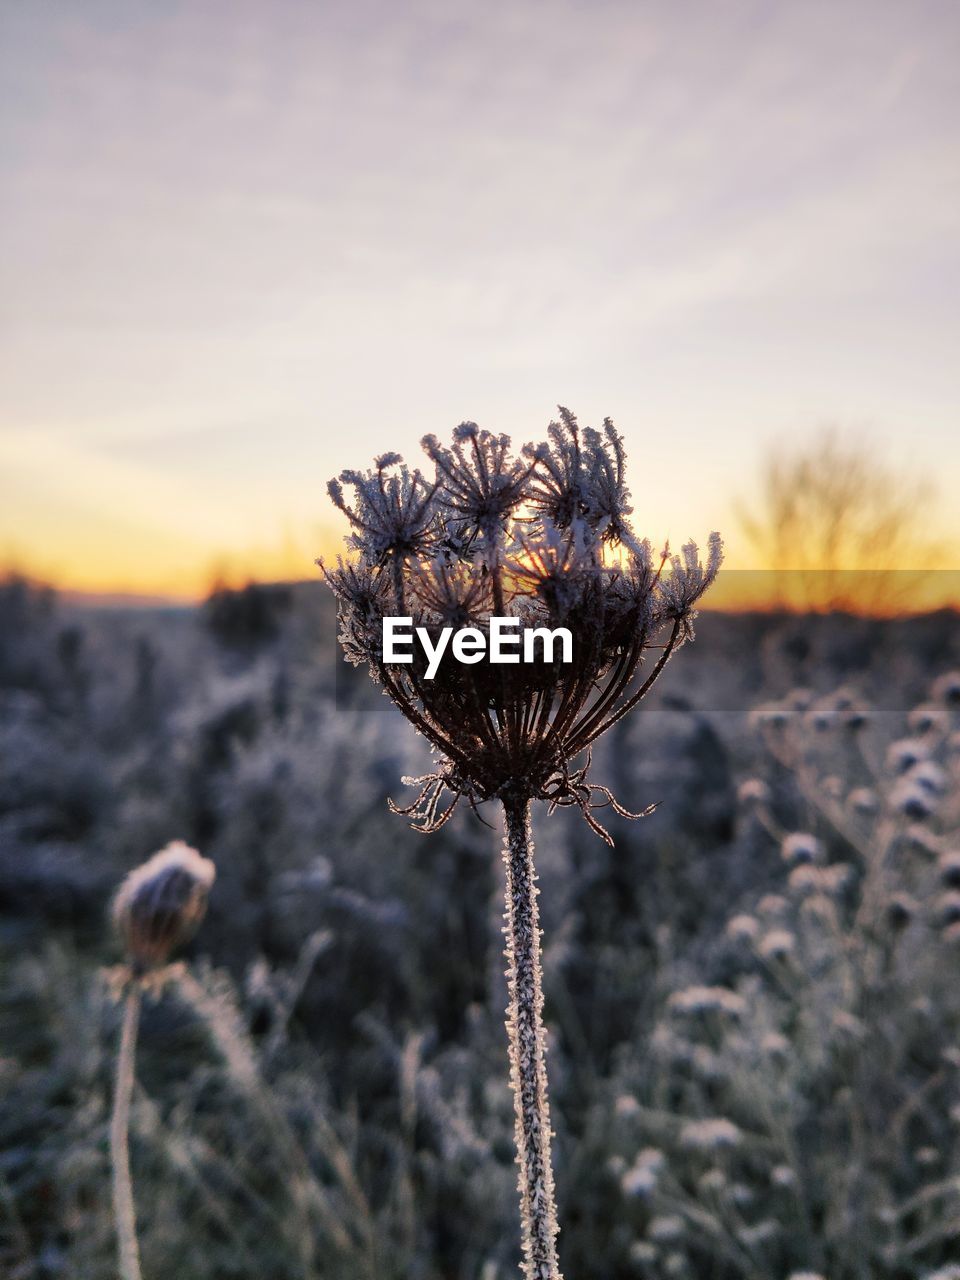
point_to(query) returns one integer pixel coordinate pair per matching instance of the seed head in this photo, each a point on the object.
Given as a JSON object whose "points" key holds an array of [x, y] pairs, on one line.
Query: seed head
{"points": [[528, 537], [801, 847], [947, 689], [161, 903]]}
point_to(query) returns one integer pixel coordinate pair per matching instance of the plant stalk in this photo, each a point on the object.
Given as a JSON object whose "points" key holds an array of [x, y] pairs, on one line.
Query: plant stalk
{"points": [[128, 1251], [528, 1073]]}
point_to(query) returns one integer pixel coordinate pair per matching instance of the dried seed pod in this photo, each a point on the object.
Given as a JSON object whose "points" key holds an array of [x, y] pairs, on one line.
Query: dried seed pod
{"points": [[161, 903]]}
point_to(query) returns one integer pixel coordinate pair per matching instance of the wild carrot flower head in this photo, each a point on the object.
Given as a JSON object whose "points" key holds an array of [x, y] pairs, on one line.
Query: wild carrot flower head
{"points": [[580, 478], [478, 483], [451, 591], [160, 903], [494, 535], [393, 513]]}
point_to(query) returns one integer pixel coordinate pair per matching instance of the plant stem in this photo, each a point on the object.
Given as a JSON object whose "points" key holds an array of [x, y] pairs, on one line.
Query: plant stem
{"points": [[128, 1251], [528, 1073]]}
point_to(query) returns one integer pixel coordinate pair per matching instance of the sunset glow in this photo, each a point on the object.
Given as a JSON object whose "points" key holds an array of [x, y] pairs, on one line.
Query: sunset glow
{"points": [[245, 246]]}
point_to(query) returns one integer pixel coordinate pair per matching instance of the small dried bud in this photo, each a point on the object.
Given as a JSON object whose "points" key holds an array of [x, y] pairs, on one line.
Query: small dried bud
{"points": [[801, 847], [905, 753], [160, 904], [947, 689], [778, 944], [912, 800], [753, 793], [743, 928], [928, 719], [863, 802]]}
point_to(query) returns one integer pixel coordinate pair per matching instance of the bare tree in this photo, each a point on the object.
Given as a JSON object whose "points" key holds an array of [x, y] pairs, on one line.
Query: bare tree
{"points": [[840, 527]]}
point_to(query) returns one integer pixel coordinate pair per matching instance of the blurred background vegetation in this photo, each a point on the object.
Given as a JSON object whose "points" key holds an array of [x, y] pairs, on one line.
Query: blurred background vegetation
{"points": [[330, 1098]]}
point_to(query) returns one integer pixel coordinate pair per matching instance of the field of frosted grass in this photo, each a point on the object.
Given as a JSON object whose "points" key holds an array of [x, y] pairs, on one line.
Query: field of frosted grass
{"points": [[752, 1000]]}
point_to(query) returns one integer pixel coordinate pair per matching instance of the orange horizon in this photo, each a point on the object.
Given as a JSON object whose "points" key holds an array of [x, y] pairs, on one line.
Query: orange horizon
{"points": [[738, 590]]}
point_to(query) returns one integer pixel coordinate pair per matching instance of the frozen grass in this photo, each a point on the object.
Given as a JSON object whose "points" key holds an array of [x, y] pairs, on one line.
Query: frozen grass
{"points": [[788, 956]]}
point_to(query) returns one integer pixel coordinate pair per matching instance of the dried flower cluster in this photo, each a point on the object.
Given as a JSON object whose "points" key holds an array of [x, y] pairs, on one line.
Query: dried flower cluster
{"points": [[813, 1119], [543, 537]]}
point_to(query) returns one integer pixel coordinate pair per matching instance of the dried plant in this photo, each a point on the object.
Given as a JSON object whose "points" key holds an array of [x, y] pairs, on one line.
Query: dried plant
{"points": [[156, 909], [803, 1089], [543, 538]]}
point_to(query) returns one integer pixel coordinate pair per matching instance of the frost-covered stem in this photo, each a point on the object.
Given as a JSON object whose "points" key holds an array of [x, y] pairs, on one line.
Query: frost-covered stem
{"points": [[527, 1067], [128, 1252]]}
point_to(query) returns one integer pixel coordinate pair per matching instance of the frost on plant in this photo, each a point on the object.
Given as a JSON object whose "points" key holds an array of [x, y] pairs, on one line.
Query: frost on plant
{"points": [[544, 538]]}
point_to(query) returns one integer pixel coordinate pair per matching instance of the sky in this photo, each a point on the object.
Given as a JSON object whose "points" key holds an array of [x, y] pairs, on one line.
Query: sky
{"points": [[246, 245]]}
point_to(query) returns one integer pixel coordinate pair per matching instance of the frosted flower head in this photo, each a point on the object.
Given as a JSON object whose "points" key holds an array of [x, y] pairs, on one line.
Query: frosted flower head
{"points": [[753, 793], [857, 718], [361, 604], [783, 1176], [717, 1134], [799, 699], [778, 944], [393, 513], [853, 712], [640, 1180], [928, 775], [702, 1000], [776, 1046], [801, 847], [773, 716], [805, 879], [557, 572], [682, 588], [497, 536], [160, 904], [479, 484], [453, 594], [904, 754], [665, 1228], [822, 716], [773, 906], [863, 802], [946, 689], [626, 1105], [579, 480], [911, 800], [929, 719], [743, 928]]}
